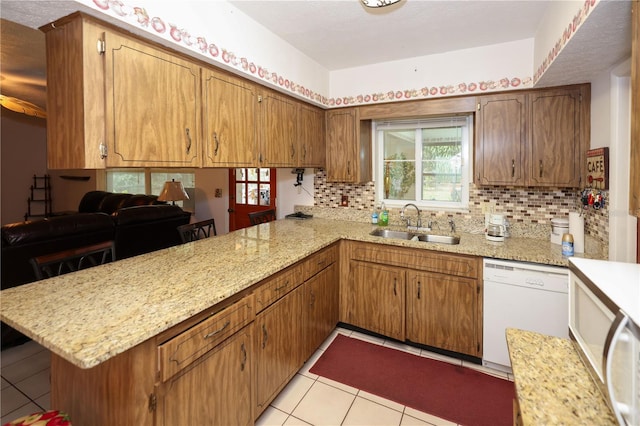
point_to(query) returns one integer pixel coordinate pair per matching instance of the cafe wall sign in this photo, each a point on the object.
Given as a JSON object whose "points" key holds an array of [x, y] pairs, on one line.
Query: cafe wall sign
{"points": [[598, 168]]}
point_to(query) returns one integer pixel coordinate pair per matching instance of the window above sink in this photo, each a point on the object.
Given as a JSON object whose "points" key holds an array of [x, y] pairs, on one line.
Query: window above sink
{"points": [[424, 161]]}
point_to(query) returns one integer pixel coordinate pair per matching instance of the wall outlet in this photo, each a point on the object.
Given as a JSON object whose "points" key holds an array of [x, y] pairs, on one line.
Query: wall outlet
{"points": [[344, 202], [218, 192]]}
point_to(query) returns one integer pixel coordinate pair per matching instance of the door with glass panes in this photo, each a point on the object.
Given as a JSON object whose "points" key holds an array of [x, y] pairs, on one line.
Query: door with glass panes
{"points": [[251, 190]]}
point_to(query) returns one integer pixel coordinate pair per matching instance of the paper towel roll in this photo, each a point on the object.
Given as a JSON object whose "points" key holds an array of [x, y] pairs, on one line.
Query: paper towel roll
{"points": [[576, 228]]}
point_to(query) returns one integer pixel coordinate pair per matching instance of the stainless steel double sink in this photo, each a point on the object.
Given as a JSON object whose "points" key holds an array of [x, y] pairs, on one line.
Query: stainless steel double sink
{"points": [[427, 238]]}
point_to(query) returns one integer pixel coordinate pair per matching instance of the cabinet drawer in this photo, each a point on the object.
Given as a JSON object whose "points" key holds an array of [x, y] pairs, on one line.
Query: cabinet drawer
{"points": [[277, 286], [425, 260], [317, 262], [186, 348]]}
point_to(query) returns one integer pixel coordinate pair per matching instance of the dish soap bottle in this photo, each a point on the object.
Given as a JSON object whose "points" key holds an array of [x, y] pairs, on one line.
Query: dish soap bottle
{"points": [[383, 219], [374, 216]]}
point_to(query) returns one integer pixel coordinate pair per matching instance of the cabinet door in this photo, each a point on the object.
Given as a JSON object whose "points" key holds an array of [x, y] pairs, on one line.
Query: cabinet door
{"points": [[320, 305], [501, 140], [348, 147], [311, 136], [229, 111], [216, 390], [277, 347], [278, 138], [376, 298], [153, 106], [442, 311], [556, 152]]}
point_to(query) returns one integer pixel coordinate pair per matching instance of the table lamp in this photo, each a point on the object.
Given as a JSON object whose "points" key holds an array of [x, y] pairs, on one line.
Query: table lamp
{"points": [[173, 191]]}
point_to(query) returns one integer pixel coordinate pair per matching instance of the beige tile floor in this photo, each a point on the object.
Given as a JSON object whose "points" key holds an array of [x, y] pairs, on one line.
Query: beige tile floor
{"points": [[307, 400]]}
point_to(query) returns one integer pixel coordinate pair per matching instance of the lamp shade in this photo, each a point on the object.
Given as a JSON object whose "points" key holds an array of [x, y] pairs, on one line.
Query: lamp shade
{"points": [[173, 191]]}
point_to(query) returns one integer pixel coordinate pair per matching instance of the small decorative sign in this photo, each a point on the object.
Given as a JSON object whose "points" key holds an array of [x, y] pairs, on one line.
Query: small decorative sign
{"points": [[598, 168]]}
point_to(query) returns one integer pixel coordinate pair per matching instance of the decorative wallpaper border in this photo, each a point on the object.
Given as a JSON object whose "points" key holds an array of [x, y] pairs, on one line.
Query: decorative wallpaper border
{"points": [[182, 36]]}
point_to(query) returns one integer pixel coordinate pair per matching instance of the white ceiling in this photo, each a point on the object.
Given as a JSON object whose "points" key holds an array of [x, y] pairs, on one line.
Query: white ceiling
{"points": [[344, 33]]}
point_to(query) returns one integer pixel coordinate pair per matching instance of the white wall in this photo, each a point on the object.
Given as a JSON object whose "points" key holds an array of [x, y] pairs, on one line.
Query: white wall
{"points": [[610, 127], [554, 25], [207, 206], [231, 31], [23, 142], [289, 195], [466, 66]]}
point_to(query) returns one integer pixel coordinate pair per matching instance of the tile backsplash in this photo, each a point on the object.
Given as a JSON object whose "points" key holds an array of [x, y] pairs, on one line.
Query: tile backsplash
{"points": [[529, 210]]}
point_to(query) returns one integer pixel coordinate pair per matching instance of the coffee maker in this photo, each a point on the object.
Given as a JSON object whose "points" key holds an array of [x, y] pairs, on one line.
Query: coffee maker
{"points": [[496, 227]]}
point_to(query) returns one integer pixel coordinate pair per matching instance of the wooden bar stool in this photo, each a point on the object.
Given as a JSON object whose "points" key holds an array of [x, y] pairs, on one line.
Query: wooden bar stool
{"points": [[198, 230], [264, 216]]}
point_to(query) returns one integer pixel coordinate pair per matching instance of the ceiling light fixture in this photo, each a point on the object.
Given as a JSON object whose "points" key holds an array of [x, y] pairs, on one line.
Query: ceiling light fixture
{"points": [[23, 107], [379, 3]]}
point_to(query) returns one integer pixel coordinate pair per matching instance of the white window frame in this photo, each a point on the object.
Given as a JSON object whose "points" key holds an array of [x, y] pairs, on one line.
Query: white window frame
{"points": [[148, 171], [467, 168]]}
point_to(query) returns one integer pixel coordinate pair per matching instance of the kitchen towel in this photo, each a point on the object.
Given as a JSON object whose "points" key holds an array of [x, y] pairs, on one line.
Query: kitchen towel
{"points": [[576, 228]]}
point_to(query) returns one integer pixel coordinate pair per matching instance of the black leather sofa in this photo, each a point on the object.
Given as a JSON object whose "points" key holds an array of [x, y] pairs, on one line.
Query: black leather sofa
{"points": [[138, 224]]}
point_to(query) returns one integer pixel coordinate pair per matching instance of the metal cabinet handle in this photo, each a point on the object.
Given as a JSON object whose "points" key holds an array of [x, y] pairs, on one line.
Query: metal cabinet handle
{"points": [[188, 140], [213, 333], [513, 168], [313, 299], [419, 287], [348, 168], [243, 350], [395, 284], [103, 151], [283, 286], [217, 144], [264, 336], [540, 168], [304, 152], [293, 151]]}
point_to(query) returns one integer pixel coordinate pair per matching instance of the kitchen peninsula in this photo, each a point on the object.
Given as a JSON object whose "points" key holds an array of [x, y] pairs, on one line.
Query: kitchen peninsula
{"points": [[119, 314]]}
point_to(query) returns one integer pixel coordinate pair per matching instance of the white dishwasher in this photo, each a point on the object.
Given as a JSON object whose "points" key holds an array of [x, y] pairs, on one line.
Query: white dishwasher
{"points": [[521, 295]]}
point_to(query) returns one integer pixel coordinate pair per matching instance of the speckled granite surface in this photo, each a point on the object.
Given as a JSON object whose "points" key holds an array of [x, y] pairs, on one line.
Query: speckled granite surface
{"points": [[92, 315], [553, 386]]}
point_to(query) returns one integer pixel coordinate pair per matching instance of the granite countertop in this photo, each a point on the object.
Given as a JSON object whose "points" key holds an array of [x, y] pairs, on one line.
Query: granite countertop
{"points": [[92, 315], [553, 386]]}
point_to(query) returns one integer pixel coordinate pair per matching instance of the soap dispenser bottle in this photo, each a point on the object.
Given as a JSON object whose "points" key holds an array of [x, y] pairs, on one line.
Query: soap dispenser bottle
{"points": [[383, 219]]}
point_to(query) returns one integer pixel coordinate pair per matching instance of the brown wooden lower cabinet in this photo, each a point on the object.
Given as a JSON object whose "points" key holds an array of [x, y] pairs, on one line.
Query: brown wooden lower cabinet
{"points": [[442, 311], [291, 329], [227, 365], [376, 298], [425, 297], [277, 347], [215, 390], [320, 304]]}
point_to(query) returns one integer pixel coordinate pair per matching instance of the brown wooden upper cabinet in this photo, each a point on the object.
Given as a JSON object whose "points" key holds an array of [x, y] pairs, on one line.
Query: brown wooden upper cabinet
{"points": [[229, 112], [311, 136], [278, 131], [118, 101], [114, 101], [75, 95], [153, 106], [533, 138], [348, 146]]}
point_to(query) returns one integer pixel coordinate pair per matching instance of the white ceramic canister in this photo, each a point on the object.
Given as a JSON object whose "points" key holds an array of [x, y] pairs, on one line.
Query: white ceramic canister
{"points": [[559, 226]]}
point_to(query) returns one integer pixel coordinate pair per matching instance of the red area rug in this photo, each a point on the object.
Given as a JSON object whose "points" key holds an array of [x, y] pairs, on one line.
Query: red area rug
{"points": [[451, 392]]}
